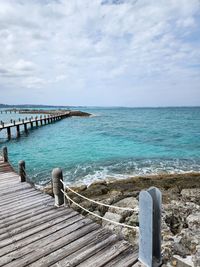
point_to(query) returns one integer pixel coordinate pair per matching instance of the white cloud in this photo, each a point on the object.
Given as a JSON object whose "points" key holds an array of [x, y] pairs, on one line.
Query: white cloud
{"points": [[93, 45]]}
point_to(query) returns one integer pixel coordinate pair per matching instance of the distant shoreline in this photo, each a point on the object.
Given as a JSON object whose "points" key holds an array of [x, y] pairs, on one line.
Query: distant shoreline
{"points": [[90, 106]]}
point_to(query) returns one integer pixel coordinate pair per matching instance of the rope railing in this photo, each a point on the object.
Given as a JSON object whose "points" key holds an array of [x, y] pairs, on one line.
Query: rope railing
{"points": [[96, 215], [96, 202]]}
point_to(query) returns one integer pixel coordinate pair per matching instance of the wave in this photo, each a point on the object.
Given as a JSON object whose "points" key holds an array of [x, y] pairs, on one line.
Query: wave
{"points": [[89, 172]]}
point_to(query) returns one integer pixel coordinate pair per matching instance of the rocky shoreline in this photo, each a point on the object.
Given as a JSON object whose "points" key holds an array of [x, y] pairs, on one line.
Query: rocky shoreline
{"points": [[180, 211]]}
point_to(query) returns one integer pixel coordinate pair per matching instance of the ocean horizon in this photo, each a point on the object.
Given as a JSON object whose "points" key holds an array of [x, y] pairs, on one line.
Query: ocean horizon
{"points": [[115, 142]]}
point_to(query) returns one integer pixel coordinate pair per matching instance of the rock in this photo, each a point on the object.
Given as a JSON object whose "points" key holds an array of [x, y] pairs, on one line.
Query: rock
{"points": [[182, 262], [131, 235], [98, 182], [97, 188], [192, 194], [193, 221], [189, 239], [179, 249], [129, 202], [133, 219], [113, 217], [174, 221], [79, 187], [47, 189], [196, 257], [79, 113], [94, 218]]}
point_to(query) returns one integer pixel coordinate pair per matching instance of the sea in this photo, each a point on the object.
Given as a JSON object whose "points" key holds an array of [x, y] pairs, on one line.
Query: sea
{"points": [[114, 142]]}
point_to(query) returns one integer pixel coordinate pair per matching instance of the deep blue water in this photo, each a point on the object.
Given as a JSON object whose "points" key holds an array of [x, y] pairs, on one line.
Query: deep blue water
{"points": [[115, 142]]}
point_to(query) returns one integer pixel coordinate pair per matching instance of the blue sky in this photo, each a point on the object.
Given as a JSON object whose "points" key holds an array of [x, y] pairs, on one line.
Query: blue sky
{"points": [[100, 52]]}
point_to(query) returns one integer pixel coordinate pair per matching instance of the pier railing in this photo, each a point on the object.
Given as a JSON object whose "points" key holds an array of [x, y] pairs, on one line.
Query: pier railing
{"points": [[37, 120]]}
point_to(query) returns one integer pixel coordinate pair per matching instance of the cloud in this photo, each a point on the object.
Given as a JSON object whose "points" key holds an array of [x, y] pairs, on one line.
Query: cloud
{"points": [[87, 45]]}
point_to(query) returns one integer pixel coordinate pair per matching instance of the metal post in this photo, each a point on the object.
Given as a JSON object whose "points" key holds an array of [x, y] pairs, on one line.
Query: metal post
{"points": [[22, 170], [57, 175], [150, 227], [5, 154]]}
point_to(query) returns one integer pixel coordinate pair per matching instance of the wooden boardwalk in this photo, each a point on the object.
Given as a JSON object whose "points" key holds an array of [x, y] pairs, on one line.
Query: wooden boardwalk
{"points": [[31, 121], [33, 232]]}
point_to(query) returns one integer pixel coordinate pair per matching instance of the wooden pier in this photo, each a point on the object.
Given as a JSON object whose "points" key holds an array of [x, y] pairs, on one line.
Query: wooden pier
{"points": [[37, 121], [33, 232]]}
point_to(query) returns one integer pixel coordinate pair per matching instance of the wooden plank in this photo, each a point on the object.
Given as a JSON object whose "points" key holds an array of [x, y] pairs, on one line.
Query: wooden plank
{"points": [[49, 216], [72, 248], [22, 202], [8, 222], [25, 205], [126, 259], [87, 251], [45, 246], [138, 264], [21, 196], [25, 213], [24, 210], [4, 184], [9, 175], [30, 219], [8, 201], [105, 255], [65, 221], [34, 230], [15, 189], [16, 194]]}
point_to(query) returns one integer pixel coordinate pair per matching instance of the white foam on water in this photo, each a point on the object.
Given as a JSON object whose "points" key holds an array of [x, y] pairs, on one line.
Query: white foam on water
{"points": [[88, 173]]}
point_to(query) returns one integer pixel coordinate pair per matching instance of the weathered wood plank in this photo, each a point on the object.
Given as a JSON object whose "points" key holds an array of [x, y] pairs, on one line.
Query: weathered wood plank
{"points": [[50, 215], [12, 221], [34, 217], [12, 200], [72, 248], [9, 190], [23, 202], [39, 249], [19, 212], [17, 194], [97, 244], [105, 255], [138, 264], [126, 259], [34, 230], [64, 222], [25, 205], [22, 216]]}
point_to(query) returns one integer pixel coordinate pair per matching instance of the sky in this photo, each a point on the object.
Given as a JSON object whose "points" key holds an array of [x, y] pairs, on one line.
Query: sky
{"points": [[100, 52]]}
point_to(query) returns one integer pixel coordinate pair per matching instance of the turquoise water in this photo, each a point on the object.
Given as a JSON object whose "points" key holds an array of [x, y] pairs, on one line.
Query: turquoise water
{"points": [[114, 142]]}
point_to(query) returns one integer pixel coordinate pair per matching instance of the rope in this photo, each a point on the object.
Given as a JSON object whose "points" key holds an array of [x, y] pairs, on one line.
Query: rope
{"points": [[94, 214], [96, 202]]}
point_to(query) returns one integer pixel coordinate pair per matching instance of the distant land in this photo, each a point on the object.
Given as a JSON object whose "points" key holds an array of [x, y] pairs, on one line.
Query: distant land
{"points": [[30, 106]]}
